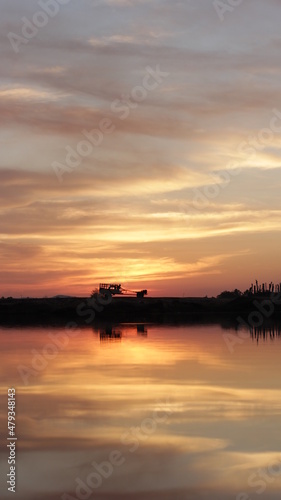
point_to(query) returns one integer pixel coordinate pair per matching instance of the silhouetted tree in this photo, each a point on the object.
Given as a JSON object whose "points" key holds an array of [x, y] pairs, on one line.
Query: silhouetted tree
{"points": [[229, 295]]}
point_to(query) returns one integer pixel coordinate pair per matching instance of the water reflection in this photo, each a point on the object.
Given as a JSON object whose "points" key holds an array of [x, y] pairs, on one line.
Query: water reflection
{"points": [[142, 330], [111, 332], [189, 418], [266, 332]]}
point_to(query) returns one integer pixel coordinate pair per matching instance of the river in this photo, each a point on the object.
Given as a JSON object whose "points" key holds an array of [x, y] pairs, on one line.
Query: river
{"points": [[143, 412]]}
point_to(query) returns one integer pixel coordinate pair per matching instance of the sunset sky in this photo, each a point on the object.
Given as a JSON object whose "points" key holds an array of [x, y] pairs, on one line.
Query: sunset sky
{"points": [[179, 191]]}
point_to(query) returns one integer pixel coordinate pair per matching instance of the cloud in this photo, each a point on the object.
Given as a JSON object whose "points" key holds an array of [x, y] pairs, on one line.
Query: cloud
{"points": [[135, 193]]}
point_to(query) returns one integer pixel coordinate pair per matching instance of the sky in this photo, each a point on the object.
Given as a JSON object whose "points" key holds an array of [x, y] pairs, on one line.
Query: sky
{"points": [[140, 144]]}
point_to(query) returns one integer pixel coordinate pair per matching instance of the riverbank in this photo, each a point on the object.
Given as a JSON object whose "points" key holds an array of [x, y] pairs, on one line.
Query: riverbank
{"points": [[59, 311]]}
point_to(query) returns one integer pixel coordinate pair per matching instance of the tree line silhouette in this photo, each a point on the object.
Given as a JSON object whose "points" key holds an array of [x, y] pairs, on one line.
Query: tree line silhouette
{"points": [[256, 289]]}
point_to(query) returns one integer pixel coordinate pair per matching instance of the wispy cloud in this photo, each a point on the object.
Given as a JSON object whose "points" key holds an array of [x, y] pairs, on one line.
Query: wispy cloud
{"points": [[135, 193]]}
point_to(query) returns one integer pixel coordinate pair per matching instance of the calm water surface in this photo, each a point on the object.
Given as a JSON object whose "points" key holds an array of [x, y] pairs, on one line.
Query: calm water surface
{"points": [[143, 412]]}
